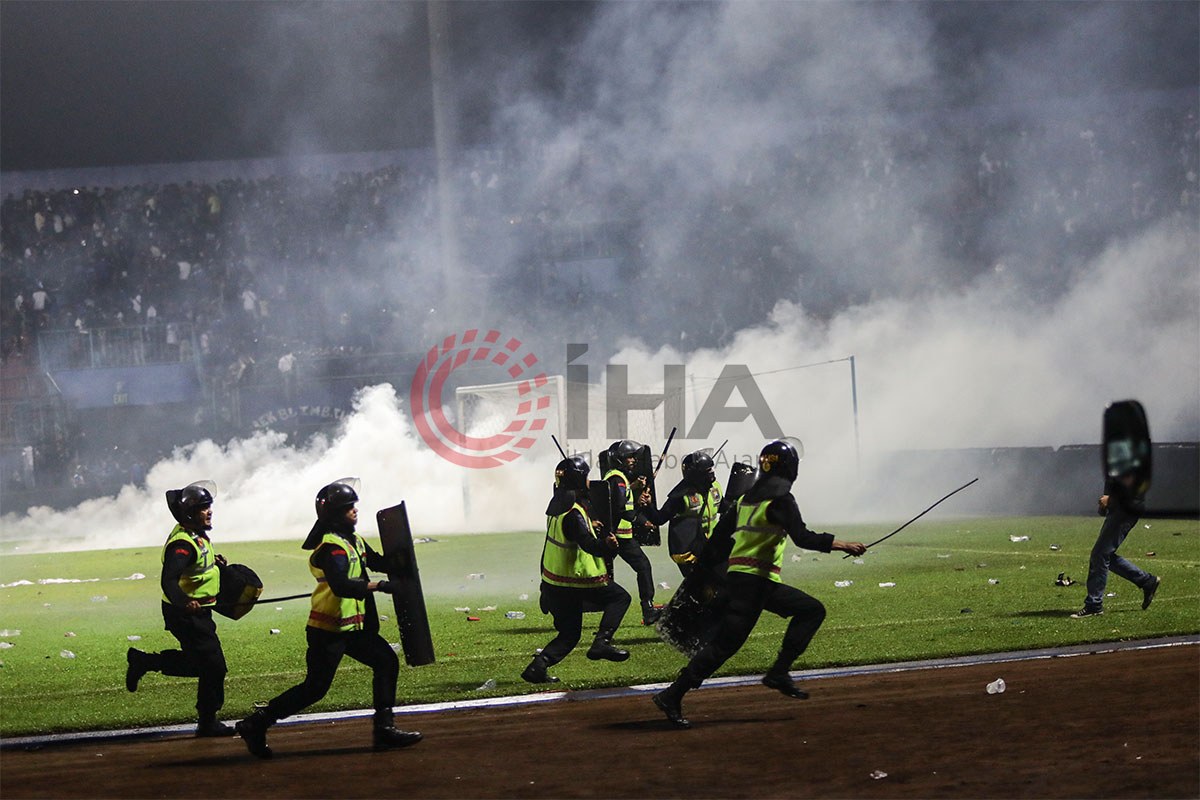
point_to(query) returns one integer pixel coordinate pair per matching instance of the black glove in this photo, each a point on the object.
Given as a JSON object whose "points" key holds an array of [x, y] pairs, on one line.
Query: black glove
{"points": [[387, 587]]}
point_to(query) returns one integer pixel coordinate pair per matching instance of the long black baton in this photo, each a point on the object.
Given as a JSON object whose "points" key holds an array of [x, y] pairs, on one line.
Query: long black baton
{"points": [[262, 600], [666, 447], [918, 516], [559, 446]]}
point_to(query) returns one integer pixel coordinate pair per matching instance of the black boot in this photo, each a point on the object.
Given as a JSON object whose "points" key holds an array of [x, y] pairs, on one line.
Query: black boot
{"points": [[650, 613], [602, 647], [781, 681], [670, 700], [536, 671], [136, 669], [387, 736], [210, 726], [253, 730], [390, 738]]}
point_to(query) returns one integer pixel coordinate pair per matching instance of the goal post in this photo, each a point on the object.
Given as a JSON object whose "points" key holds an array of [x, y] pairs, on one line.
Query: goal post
{"points": [[484, 408]]}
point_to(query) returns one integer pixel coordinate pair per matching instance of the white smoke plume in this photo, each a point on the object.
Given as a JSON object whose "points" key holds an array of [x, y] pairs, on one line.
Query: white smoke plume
{"points": [[853, 139]]}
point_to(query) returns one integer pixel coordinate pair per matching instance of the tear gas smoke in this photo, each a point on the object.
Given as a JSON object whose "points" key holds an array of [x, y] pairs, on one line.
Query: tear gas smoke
{"points": [[995, 215]]}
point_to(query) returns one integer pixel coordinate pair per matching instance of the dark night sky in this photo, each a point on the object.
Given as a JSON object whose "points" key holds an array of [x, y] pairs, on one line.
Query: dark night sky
{"points": [[102, 83], [106, 83]]}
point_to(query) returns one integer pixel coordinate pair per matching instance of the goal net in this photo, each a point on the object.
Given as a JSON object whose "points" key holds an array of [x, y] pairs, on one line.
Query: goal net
{"points": [[541, 410]]}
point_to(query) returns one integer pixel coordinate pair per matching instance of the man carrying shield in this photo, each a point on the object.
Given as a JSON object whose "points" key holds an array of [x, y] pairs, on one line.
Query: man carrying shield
{"points": [[575, 576], [752, 537], [190, 581], [343, 622]]}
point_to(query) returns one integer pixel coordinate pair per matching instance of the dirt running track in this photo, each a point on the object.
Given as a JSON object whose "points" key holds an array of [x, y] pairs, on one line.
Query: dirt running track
{"points": [[1121, 724]]}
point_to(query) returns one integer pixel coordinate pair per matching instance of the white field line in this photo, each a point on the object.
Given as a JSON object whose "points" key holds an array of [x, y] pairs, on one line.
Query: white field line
{"points": [[551, 696], [295, 676]]}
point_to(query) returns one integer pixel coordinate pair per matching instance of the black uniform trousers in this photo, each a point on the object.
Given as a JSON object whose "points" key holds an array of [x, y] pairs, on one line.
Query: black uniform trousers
{"points": [[748, 596], [325, 651], [566, 605], [200, 655], [630, 551]]}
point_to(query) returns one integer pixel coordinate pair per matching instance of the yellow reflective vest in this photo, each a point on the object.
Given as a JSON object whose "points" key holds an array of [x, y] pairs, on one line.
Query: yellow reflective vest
{"points": [[330, 612], [705, 506], [757, 543], [563, 563], [202, 580]]}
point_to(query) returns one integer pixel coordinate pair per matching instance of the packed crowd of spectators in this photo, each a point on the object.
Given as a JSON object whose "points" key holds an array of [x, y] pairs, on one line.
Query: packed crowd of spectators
{"points": [[258, 280]]}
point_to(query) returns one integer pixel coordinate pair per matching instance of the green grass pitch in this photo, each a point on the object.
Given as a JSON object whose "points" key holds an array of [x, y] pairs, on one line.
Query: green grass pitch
{"points": [[960, 586]]}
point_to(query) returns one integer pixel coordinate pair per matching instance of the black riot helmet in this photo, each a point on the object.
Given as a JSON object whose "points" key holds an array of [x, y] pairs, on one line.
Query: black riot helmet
{"points": [[782, 458], [334, 499], [572, 473], [625, 448], [698, 469], [624, 454], [332, 503], [185, 502]]}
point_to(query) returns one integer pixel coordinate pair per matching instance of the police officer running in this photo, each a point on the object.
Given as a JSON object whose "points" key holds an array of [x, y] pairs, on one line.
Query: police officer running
{"points": [[692, 509], [752, 535], [574, 574], [630, 497], [190, 581], [343, 622]]}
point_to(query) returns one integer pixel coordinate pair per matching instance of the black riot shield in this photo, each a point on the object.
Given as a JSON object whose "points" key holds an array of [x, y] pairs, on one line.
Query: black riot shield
{"points": [[602, 506], [741, 478], [409, 603], [605, 461], [689, 621], [240, 589], [647, 534]]}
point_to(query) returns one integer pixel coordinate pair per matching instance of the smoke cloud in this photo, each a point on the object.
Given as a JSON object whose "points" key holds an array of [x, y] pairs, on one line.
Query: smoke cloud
{"points": [[991, 207]]}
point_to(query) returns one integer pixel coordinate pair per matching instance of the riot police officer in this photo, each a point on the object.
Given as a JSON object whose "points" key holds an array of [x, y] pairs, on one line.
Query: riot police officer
{"points": [[574, 573], [630, 497], [692, 509], [190, 581], [343, 622], [751, 537]]}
